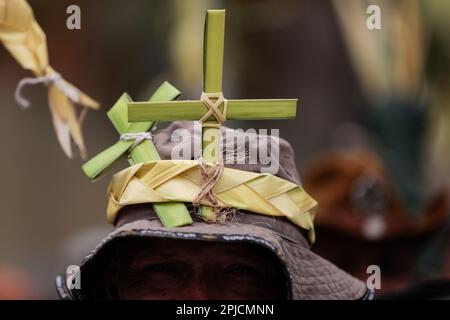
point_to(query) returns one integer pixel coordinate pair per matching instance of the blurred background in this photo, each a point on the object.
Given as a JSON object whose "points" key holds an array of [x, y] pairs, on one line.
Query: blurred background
{"points": [[372, 134]]}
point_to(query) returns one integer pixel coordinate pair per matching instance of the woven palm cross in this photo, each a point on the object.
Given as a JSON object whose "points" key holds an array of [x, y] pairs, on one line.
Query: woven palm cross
{"points": [[212, 109]]}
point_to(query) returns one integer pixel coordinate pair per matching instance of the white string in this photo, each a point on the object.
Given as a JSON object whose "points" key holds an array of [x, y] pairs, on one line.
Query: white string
{"points": [[55, 78], [137, 137]]}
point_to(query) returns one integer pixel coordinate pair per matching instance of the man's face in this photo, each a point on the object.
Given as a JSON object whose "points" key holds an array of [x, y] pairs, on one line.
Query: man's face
{"points": [[181, 269]]}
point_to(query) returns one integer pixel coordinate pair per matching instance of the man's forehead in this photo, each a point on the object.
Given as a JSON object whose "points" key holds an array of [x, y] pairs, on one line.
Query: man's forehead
{"points": [[157, 247]]}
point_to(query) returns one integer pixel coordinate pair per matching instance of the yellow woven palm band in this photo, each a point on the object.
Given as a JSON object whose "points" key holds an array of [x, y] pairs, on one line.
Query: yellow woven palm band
{"points": [[180, 181]]}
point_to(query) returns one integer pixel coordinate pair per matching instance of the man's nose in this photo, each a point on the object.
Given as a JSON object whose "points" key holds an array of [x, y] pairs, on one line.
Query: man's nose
{"points": [[200, 289]]}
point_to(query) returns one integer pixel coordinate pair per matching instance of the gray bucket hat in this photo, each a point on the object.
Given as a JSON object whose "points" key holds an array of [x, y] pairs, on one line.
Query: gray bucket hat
{"points": [[308, 276]]}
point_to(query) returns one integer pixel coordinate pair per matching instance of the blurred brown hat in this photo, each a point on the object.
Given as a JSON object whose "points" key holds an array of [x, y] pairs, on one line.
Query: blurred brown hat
{"points": [[358, 198]]}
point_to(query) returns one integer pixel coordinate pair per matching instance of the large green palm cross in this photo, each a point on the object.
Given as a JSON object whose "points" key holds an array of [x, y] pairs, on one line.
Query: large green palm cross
{"points": [[213, 48]]}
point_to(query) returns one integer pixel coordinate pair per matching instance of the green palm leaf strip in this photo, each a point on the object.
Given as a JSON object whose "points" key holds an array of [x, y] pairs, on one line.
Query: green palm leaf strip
{"points": [[171, 214]]}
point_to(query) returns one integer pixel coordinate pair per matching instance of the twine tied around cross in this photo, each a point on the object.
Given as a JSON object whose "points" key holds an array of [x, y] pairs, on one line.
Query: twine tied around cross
{"points": [[212, 102], [210, 176]]}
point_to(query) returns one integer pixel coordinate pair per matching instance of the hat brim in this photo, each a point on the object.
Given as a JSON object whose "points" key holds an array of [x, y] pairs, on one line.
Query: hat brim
{"points": [[310, 276]]}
